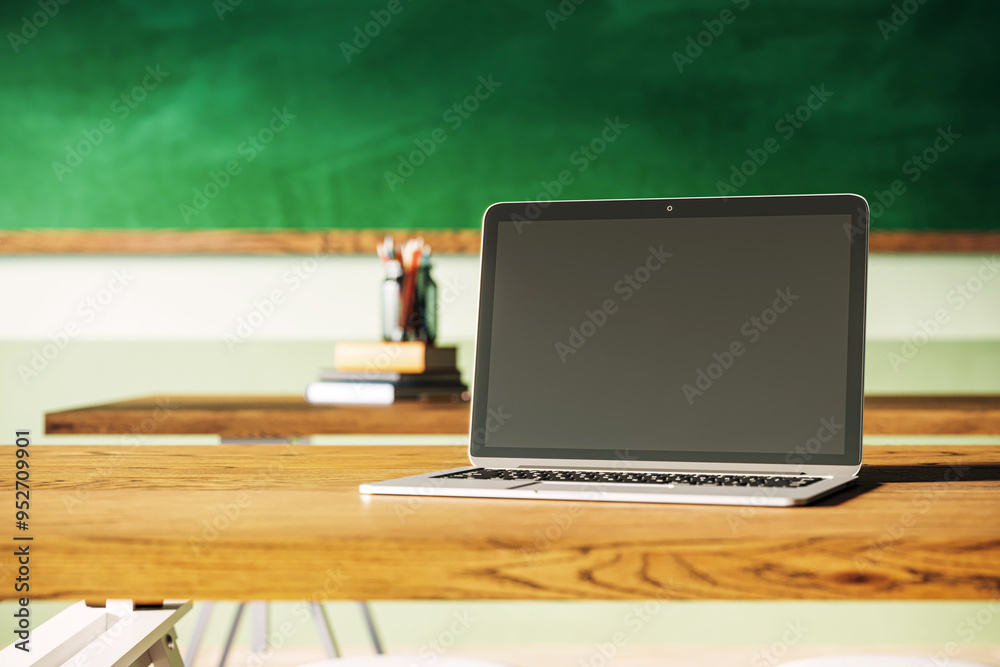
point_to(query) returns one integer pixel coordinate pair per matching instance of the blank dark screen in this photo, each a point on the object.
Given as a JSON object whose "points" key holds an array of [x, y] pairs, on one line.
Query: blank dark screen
{"points": [[681, 335]]}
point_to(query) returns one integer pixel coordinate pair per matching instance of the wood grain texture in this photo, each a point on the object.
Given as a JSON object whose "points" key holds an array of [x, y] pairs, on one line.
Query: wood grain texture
{"points": [[287, 522], [923, 415], [225, 242], [350, 242], [259, 417], [886, 242], [292, 416]]}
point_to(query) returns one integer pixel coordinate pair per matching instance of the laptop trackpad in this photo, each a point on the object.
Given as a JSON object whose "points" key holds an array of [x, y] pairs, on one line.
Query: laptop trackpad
{"points": [[599, 489], [478, 483]]}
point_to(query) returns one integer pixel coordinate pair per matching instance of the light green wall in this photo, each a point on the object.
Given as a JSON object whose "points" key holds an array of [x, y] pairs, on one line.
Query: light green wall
{"points": [[89, 372], [406, 626]]}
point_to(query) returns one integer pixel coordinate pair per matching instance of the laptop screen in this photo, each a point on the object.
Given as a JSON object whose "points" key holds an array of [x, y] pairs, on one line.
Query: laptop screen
{"points": [[715, 338]]}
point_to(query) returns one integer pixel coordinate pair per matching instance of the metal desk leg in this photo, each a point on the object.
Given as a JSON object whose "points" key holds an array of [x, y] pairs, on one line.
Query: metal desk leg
{"points": [[325, 633], [370, 623], [232, 634], [259, 626]]}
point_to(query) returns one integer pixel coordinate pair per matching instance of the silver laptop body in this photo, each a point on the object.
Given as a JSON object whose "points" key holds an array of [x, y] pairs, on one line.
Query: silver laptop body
{"points": [[690, 350]]}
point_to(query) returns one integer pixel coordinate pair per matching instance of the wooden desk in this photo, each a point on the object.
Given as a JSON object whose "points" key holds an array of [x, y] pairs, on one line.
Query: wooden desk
{"points": [[291, 416], [258, 417], [287, 522], [925, 415]]}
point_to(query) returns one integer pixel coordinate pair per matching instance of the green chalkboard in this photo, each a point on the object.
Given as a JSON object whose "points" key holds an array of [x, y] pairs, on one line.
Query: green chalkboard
{"points": [[272, 114]]}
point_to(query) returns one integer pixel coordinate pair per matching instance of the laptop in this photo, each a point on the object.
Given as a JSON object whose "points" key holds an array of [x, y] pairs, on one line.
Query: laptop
{"points": [[691, 350]]}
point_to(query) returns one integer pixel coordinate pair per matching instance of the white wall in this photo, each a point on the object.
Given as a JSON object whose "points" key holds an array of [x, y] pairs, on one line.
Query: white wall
{"points": [[336, 298], [202, 298]]}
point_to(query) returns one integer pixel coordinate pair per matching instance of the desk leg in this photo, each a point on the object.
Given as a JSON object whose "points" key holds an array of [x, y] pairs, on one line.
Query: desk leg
{"points": [[259, 626], [370, 623], [198, 633], [232, 634], [325, 633]]}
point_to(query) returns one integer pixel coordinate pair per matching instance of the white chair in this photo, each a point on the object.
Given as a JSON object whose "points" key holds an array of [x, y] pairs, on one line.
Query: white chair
{"points": [[874, 660], [404, 661], [115, 634]]}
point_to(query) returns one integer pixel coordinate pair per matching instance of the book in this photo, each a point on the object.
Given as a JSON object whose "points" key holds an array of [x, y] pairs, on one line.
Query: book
{"points": [[377, 393], [351, 393], [404, 357], [425, 379]]}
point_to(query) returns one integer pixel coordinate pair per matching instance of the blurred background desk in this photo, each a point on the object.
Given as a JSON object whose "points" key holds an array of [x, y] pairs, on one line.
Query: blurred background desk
{"points": [[248, 418]]}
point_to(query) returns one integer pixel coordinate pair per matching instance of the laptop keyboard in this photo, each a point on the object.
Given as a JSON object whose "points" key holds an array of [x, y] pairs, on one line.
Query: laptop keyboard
{"points": [[652, 478]]}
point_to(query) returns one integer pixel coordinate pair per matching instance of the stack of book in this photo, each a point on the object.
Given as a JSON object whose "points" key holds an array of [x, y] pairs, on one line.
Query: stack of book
{"points": [[381, 373]]}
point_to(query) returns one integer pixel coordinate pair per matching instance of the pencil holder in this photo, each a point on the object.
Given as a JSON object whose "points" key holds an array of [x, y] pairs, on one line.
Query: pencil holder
{"points": [[391, 299], [423, 324], [409, 298]]}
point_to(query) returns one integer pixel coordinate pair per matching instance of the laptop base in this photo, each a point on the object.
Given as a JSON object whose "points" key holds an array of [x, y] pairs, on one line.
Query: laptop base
{"points": [[434, 484]]}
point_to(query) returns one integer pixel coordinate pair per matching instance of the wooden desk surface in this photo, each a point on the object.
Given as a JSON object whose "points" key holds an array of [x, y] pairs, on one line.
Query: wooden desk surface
{"points": [[292, 416], [287, 522], [258, 417]]}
